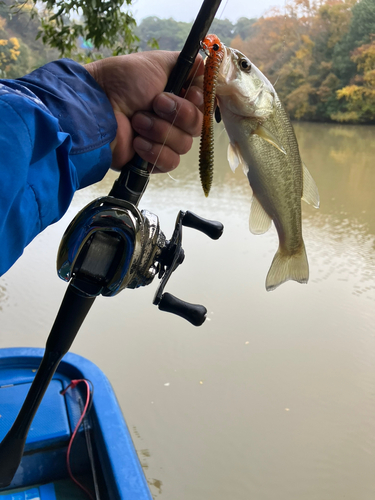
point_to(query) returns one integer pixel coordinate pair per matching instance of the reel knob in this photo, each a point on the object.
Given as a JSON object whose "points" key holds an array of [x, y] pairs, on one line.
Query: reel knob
{"points": [[194, 313], [211, 228]]}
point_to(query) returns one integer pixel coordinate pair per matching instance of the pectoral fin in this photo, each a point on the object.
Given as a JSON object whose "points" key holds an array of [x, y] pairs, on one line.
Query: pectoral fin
{"points": [[268, 136], [235, 159], [310, 191], [259, 221]]}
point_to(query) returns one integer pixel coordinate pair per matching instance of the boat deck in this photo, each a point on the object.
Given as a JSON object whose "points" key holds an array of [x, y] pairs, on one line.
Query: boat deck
{"points": [[60, 490], [103, 443]]}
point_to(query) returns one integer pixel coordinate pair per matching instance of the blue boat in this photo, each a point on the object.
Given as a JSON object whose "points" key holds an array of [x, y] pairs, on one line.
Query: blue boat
{"points": [[102, 456]]}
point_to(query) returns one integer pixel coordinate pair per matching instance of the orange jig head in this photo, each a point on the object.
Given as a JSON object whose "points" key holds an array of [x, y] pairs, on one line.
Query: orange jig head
{"points": [[214, 50]]}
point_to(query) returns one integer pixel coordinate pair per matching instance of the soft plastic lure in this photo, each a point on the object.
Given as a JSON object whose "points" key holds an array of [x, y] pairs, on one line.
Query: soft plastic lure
{"points": [[215, 53]]}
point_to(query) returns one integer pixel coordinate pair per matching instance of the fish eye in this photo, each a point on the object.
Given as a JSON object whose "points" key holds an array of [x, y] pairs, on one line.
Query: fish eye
{"points": [[215, 47], [245, 65]]}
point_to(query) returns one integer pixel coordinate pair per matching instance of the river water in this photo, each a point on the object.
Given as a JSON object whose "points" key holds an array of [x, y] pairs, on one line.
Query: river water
{"points": [[273, 397]]}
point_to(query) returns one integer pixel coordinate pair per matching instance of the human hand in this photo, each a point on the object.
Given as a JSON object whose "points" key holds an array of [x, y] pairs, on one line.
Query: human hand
{"points": [[165, 123]]}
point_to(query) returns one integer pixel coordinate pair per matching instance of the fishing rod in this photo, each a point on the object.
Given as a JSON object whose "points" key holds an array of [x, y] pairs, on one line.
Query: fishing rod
{"points": [[111, 245]]}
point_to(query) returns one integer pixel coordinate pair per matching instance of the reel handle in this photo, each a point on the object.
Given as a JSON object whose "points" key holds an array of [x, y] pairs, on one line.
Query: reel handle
{"points": [[194, 313], [211, 228]]}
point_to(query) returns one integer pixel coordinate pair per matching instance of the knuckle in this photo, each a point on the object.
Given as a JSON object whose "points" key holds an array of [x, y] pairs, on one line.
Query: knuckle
{"points": [[185, 145], [189, 118], [168, 161]]}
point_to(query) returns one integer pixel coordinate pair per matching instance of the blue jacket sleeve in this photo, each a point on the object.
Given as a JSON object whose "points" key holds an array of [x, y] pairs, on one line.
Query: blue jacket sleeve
{"points": [[56, 126]]}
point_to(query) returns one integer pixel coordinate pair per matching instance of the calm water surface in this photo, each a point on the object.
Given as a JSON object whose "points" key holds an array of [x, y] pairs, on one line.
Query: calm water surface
{"points": [[273, 398]]}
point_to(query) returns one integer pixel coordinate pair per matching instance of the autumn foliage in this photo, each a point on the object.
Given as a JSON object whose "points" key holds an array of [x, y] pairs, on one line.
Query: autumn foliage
{"points": [[321, 57], [319, 54]]}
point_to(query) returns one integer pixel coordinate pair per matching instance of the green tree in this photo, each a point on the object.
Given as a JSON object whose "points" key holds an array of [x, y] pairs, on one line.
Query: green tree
{"points": [[244, 28], [106, 24], [359, 97], [224, 29], [168, 33], [361, 28], [171, 35]]}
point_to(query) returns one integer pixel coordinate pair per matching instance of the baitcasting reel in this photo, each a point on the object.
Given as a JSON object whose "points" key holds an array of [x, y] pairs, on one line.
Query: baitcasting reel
{"points": [[111, 245]]}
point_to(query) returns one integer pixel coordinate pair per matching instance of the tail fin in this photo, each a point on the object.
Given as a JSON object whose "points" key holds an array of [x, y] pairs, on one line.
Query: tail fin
{"points": [[288, 267]]}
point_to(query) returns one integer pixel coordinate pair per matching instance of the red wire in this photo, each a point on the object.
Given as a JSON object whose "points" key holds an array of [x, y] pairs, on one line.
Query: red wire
{"points": [[73, 384]]}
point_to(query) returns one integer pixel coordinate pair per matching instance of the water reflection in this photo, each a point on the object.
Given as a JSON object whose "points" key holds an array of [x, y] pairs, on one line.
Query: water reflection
{"points": [[341, 158]]}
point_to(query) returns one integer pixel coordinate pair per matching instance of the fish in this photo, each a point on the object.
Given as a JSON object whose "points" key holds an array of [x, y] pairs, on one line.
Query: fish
{"points": [[263, 142]]}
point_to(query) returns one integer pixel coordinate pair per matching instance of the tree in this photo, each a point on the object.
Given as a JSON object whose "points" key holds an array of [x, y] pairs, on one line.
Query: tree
{"points": [[171, 34], [13, 52], [360, 96], [106, 24], [244, 28], [298, 49], [9, 52], [168, 33], [224, 29], [362, 26]]}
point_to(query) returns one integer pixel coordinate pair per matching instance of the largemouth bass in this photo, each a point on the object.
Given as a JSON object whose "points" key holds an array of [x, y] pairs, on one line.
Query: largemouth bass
{"points": [[263, 142]]}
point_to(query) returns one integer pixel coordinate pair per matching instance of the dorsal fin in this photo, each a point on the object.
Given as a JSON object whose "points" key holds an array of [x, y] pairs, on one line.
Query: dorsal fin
{"points": [[310, 191], [259, 221]]}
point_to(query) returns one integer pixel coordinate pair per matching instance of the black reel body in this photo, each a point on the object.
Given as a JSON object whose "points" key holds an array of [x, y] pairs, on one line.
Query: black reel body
{"points": [[111, 245]]}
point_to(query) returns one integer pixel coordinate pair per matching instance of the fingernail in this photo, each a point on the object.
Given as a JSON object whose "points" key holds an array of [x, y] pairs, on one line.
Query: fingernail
{"points": [[142, 121], [143, 144], [165, 104]]}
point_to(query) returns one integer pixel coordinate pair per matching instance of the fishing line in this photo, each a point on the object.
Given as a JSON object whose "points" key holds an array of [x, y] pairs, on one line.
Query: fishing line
{"points": [[173, 179], [175, 117], [284, 44], [222, 12], [171, 125]]}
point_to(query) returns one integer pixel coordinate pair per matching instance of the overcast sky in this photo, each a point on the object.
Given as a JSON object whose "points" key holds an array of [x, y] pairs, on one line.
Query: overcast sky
{"points": [[186, 10]]}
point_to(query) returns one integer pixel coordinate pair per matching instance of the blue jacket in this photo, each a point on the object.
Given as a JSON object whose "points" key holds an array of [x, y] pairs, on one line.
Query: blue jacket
{"points": [[56, 126]]}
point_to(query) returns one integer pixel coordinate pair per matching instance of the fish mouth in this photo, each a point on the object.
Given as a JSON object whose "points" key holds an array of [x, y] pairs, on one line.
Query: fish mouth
{"points": [[254, 101], [226, 68], [226, 77]]}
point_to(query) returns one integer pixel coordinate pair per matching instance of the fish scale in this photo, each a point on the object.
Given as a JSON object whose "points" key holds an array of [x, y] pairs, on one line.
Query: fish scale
{"points": [[284, 209]]}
